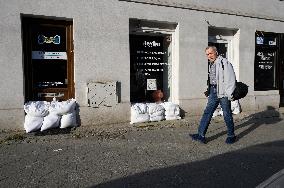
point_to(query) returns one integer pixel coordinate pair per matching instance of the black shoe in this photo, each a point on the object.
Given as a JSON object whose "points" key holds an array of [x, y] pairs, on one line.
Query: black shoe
{"points": [[231, 140], [198, 137]]}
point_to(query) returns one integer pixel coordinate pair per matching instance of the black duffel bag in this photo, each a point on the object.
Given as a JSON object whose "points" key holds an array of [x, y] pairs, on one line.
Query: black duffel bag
{"points": [[240, 91]]}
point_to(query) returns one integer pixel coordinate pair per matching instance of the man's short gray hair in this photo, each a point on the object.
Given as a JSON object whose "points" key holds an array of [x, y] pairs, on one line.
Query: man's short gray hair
{"points": [[212, 47]]}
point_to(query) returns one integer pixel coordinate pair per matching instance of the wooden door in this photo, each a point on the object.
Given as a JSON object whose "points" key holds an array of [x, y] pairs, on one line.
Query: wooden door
{"points": [[48, 59]]}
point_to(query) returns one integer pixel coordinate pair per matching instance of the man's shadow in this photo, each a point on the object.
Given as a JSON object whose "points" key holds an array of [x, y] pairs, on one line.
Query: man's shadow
{"points": [[268, 116]]}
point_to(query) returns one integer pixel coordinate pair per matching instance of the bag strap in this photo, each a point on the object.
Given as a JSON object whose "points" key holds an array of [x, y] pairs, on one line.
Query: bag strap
{"points": [[208, 78], [222, 67]]}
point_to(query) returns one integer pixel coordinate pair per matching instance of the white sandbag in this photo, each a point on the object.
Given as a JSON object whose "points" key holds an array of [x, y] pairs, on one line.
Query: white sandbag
{"points": [[157, 118], [155, 109], [37, 108], [172, 111], [32, 123], [134, 110], [50, 121], [68, 120], [156, 112], [235, 106], [139, 113], [171, 108], [218, 111], [172, 117], [64, 107], [140, 118], [141, 108]]}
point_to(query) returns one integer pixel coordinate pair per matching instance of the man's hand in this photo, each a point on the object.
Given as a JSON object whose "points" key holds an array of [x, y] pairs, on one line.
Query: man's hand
{"points": [[206, 93]]}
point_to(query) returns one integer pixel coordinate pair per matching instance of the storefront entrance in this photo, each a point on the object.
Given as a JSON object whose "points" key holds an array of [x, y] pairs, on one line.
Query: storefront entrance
{"points": [[48, 59], [226, 41]]}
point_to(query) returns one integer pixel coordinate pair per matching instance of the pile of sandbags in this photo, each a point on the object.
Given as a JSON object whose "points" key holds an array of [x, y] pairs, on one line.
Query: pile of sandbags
{"points": [[145, 112], [46, 115], [235, 107]]}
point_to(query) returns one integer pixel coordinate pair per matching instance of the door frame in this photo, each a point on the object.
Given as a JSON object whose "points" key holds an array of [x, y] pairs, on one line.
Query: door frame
{"points": [[281, 68]]}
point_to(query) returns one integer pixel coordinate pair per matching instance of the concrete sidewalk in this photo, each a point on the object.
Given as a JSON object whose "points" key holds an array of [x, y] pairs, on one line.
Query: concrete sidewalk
{"points": [[158, 154]]}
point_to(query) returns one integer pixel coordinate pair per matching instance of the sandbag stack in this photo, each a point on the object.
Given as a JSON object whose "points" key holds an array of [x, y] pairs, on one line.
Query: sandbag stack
{"points": [[144, 112], [235, 107], [42, 115]]}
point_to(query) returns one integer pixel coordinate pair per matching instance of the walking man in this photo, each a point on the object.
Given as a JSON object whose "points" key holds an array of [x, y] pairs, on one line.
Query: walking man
{"points": [[221, 84]]}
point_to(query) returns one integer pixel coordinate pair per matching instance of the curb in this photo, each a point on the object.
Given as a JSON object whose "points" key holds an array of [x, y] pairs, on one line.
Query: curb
{"points": [[276, 180]]}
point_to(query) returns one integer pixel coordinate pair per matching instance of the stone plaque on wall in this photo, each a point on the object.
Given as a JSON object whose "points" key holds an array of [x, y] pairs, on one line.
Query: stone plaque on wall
{"points": [[102, 94]]}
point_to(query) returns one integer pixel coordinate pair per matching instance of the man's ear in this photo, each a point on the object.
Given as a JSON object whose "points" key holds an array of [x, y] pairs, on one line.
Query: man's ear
{"points": [[216, 52]]}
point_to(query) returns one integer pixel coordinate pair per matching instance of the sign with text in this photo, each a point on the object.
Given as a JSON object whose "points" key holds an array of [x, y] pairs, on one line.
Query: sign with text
{"points": [[151, 84], [265, 69], [49, 55]]}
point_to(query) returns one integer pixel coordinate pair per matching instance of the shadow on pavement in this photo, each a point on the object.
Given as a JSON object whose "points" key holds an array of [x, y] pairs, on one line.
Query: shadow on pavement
{"points": [[242, 168], [269, 116], [55, 131]]}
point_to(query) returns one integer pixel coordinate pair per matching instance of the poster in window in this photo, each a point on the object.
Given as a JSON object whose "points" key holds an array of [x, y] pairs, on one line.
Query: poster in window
{"points": [[151, 84], [265, 69]]}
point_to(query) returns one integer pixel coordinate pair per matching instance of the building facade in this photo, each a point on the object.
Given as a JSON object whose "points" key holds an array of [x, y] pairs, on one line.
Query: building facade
{"points": [[108, 54]]}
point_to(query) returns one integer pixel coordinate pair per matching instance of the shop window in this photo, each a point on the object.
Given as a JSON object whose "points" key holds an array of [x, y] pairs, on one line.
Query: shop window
{"points": [[149, 66], [265, 64], [153, 59]]}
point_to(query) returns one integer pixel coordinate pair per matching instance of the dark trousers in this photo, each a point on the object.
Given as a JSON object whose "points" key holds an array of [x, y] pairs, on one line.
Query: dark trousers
{"points": [[212, 104]]}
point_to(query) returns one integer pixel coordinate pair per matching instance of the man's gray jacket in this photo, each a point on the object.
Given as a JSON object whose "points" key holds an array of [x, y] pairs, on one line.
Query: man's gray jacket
{"points": [[225, 77]]}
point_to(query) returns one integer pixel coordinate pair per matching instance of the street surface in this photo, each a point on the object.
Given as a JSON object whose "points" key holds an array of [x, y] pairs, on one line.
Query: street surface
{"points": [[158, 154]]}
